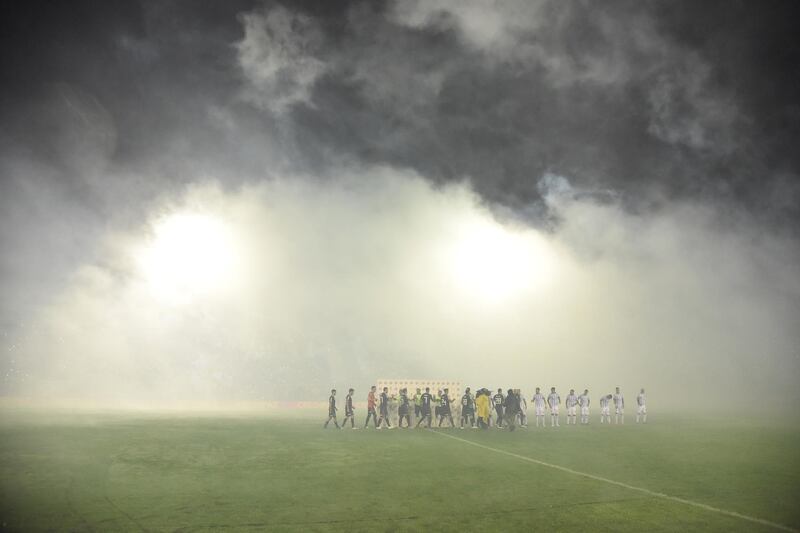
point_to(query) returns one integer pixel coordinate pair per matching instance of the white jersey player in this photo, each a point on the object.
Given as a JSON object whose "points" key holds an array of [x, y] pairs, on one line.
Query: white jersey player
{"points": [[571, 402], [619, 407], [523, 409], [605, 412], [538, 406], [583, 402], [641, 407], [554, 401]]}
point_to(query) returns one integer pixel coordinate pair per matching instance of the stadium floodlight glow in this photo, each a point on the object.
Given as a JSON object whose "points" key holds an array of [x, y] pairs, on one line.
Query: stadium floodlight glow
{"points": [[496, 262], [189, 255]]}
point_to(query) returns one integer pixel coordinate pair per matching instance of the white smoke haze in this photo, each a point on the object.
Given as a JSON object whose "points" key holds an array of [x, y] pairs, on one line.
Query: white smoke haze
{"points": [[509, 194], [286, 288]]}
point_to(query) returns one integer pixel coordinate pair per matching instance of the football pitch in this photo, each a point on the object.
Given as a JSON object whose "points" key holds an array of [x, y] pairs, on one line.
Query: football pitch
{"points": [[137, 472]]}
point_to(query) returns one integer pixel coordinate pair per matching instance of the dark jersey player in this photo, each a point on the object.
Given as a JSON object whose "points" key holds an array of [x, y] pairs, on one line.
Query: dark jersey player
{"points": [[348, 410], [332, 410], [512, 409], [404, 409], [425, 401], [467, 410], [499, 401], [444, 409], [384, 407]]}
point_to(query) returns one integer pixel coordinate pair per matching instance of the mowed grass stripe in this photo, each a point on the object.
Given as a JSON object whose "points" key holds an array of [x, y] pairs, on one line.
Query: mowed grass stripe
{"points": [[656, 494], [477, 514]]}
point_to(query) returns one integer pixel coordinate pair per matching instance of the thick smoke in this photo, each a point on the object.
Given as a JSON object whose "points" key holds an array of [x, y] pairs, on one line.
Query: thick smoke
{"points": [[344, 282], [522, 193]]}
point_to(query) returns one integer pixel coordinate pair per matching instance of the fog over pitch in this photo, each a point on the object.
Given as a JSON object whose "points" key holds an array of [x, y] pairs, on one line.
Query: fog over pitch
{"points": [[259, 200]]}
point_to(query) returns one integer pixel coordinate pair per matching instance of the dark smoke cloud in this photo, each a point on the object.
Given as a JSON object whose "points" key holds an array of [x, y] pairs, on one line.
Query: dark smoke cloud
{"points": [[682, 98], [631, 96]]}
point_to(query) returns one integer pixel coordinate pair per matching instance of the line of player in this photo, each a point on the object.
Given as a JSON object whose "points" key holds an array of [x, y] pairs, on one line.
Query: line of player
{"points": [[482, 409]]}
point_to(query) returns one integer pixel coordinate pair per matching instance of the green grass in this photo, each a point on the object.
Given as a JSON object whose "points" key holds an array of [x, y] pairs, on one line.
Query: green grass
{"points": [[117, 472]]}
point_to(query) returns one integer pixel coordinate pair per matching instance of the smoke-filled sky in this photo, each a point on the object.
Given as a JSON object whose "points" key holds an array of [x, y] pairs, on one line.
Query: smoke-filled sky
{"points": [[227, 201]]}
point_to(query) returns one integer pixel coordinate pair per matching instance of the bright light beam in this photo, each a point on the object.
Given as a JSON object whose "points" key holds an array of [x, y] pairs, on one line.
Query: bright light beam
{"points": [[189, 256], [497, 263]]}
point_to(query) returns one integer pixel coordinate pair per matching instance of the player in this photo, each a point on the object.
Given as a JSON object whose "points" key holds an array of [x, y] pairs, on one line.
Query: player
{"points": [[371, 408], [554, 402], [332, 410], [467, 410], [499, 401], [571, 403], [403, 409], [348, 410], [417, 404], [512, 409], [641, 407], [605, 415], [384, 407], [583, 402], [619, 407], [425, 401], [538, 406], [483, 405], [523, 409], [444, 408]]}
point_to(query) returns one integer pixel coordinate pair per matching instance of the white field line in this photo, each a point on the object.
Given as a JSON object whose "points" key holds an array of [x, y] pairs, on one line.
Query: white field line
{"points": [[625, 485]]}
